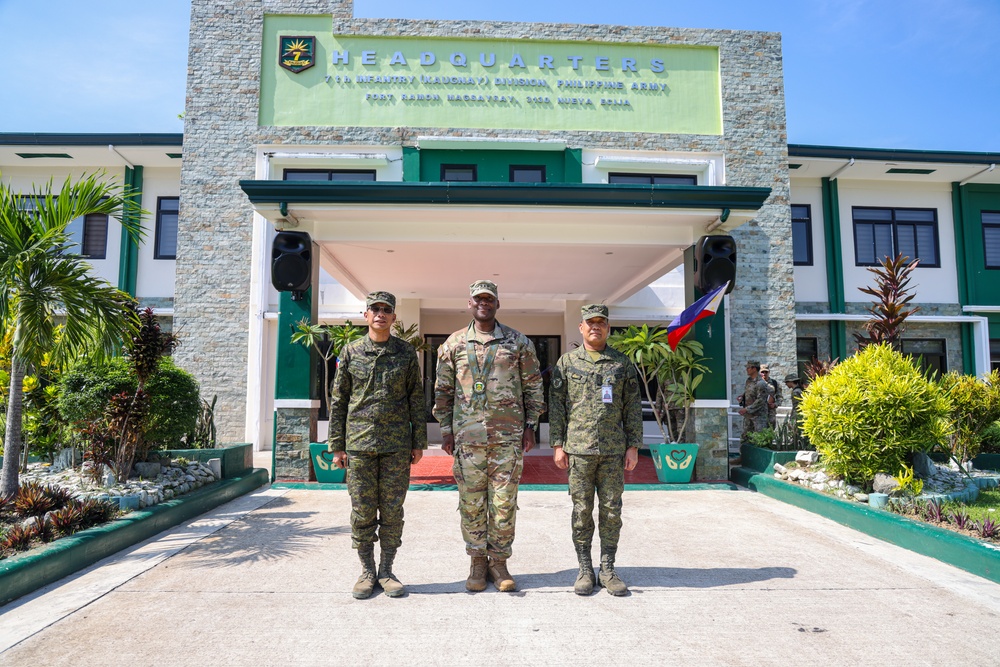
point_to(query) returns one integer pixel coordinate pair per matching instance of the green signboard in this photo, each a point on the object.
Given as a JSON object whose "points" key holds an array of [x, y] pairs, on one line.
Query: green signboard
{"points": [[502, 84]]}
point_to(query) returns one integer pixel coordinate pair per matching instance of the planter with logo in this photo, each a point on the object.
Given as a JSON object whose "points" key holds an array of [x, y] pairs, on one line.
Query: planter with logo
{"points": [[674, 462], [322, 462], [668, 377]]}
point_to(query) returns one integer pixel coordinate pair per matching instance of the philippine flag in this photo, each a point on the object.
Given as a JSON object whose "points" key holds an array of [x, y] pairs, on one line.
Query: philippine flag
{"points": [[699, 310]]}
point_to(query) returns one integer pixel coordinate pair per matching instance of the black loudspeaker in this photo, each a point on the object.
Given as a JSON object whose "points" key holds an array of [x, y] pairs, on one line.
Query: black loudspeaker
{"points": [[291, 262], [715, 263]]}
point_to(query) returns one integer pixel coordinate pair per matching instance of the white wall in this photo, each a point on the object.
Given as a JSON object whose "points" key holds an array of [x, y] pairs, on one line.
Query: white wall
{"points": [[156, 276], [811, 281], [29, 178], [655, 162], [929, 284]]}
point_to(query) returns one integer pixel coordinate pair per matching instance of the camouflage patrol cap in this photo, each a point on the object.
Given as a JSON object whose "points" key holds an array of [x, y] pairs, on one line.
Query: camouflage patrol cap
{"points": [[594, 310], [792, 377], [764, 368], [754, 364], [380, 297], [484, 287]]}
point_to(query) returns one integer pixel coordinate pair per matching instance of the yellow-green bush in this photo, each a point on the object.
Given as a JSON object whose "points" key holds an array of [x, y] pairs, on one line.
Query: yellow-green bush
{"points": [[871, 411], [975, 405]]}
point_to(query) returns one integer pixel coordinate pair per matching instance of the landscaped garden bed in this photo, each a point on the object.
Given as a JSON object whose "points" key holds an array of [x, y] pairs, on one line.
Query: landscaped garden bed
{"points": [[53, 503]]}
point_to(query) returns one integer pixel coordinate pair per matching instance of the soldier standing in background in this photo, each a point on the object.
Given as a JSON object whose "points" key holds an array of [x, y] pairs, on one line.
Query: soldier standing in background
{"points": [[754, 399], [377, 427], [795, 385], [488, 398], [774, 396], [595, 426]]}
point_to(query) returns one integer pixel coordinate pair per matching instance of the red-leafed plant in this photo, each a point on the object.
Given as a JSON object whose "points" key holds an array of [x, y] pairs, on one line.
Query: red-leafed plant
{"points": [[892, 296]]}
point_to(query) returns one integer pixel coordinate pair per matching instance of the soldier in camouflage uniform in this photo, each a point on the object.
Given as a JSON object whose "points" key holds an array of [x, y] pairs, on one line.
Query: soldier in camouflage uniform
{"points": [[774, 396], [793, 382], [488, 398], [595, 426], [378, 429], [754, 397]]}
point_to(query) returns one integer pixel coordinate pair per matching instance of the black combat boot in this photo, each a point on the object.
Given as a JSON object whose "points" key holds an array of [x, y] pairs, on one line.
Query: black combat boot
{"points": [[366, 582], [585, 580], [386, 579], [608, 577]]}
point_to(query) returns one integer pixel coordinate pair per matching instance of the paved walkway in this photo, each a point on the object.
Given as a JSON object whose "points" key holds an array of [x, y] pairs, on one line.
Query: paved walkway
{"points": [[718, 578]]}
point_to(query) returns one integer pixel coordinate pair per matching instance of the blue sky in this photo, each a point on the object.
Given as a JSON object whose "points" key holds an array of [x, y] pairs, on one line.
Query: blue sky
{"points": [[921, 74]]}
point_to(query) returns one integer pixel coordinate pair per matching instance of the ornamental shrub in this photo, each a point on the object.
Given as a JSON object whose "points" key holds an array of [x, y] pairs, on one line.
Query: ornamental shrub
{"points": [[990, 439], [174, 401], [871, 411], [975, 403]]}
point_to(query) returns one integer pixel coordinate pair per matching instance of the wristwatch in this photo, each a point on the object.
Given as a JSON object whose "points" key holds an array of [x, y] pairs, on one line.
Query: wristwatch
{"points": [[530, 425]]}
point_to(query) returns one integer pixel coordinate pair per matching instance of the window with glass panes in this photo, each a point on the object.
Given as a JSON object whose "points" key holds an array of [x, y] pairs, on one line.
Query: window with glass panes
{"points": [[527, 174], [166, 228], [88, 235], [329, 175], [458, 172], [802, 251], [929, 353], [991, 238], [653, 179], [887, 232], [806, 349]]}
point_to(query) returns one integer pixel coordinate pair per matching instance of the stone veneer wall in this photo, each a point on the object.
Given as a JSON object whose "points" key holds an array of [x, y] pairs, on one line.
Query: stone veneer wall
{"points": [[951, 332], [711, 432], [221, 134]]}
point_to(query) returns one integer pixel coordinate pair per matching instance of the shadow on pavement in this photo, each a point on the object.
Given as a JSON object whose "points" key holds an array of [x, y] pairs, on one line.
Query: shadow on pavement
{"points": [[638, 578]]}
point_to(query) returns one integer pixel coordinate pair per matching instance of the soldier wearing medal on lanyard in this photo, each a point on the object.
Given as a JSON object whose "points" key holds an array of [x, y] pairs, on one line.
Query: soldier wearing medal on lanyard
{"points": [[595, 426], [378, 427], [488, 398]]}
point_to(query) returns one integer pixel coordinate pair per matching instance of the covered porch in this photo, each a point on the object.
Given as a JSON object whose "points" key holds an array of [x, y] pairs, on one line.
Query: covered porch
{"points": [[550, 247]]}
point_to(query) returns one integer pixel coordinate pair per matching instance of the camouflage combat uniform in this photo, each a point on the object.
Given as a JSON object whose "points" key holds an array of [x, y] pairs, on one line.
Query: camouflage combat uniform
{"points": [[595, 434], [755, 395], [488, 429], [377, 416], [772, 410]]}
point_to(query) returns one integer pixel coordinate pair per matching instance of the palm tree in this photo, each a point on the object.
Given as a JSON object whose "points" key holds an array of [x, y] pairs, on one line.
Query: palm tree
{"points": [[41, 280]]}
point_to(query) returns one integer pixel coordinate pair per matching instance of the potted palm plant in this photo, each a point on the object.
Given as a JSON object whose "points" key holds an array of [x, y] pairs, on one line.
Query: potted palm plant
{"points": [[669, 378], [327, 341]]}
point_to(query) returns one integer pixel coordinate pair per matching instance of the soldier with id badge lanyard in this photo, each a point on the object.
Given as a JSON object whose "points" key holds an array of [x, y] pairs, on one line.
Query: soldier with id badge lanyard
{"points": [[488, 398], [595, 427]]}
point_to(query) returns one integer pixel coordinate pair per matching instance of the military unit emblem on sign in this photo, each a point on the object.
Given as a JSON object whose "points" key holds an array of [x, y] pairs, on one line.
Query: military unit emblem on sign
{"points": [[297, 53]]}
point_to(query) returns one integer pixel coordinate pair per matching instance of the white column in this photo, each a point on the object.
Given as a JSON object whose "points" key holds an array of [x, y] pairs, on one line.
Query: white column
{"points": [[571, 326]]}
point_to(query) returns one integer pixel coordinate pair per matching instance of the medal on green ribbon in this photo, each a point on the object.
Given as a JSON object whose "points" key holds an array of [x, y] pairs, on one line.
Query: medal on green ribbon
{"points": [[479, 375]]}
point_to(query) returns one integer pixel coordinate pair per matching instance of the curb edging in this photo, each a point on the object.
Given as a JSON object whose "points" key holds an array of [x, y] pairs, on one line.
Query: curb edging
{"points": [[20, 575], [966, 553]]}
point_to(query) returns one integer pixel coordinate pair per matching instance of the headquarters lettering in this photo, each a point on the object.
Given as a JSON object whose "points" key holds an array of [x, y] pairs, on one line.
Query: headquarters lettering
{"points": [[516, 62]]}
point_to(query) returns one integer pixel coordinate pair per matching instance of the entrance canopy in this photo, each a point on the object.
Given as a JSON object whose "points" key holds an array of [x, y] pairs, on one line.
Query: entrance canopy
{"points": [[545, 243]]}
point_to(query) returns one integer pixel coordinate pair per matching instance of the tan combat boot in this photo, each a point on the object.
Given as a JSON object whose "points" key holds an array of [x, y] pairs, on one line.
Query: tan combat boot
{"points": [[608, 577], [585, 580], [500, 577], [366, 582], [477, 575], [386, 579]]}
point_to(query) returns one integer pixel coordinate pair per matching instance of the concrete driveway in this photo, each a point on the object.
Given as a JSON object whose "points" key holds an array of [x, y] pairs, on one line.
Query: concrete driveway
{"points": [[717, 577]]}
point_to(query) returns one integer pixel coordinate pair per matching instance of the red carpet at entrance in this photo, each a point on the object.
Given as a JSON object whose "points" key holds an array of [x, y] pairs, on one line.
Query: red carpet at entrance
{"points": [[436, 470]]}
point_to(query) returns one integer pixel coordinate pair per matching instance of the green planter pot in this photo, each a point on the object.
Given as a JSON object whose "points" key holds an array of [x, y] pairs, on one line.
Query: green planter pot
{"points": [[326, 471], [674, 462], [878, 500], [763, 460]]}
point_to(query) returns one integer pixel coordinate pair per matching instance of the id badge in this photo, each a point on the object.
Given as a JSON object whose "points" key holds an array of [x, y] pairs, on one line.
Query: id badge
{"points": [[606, 395]]}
